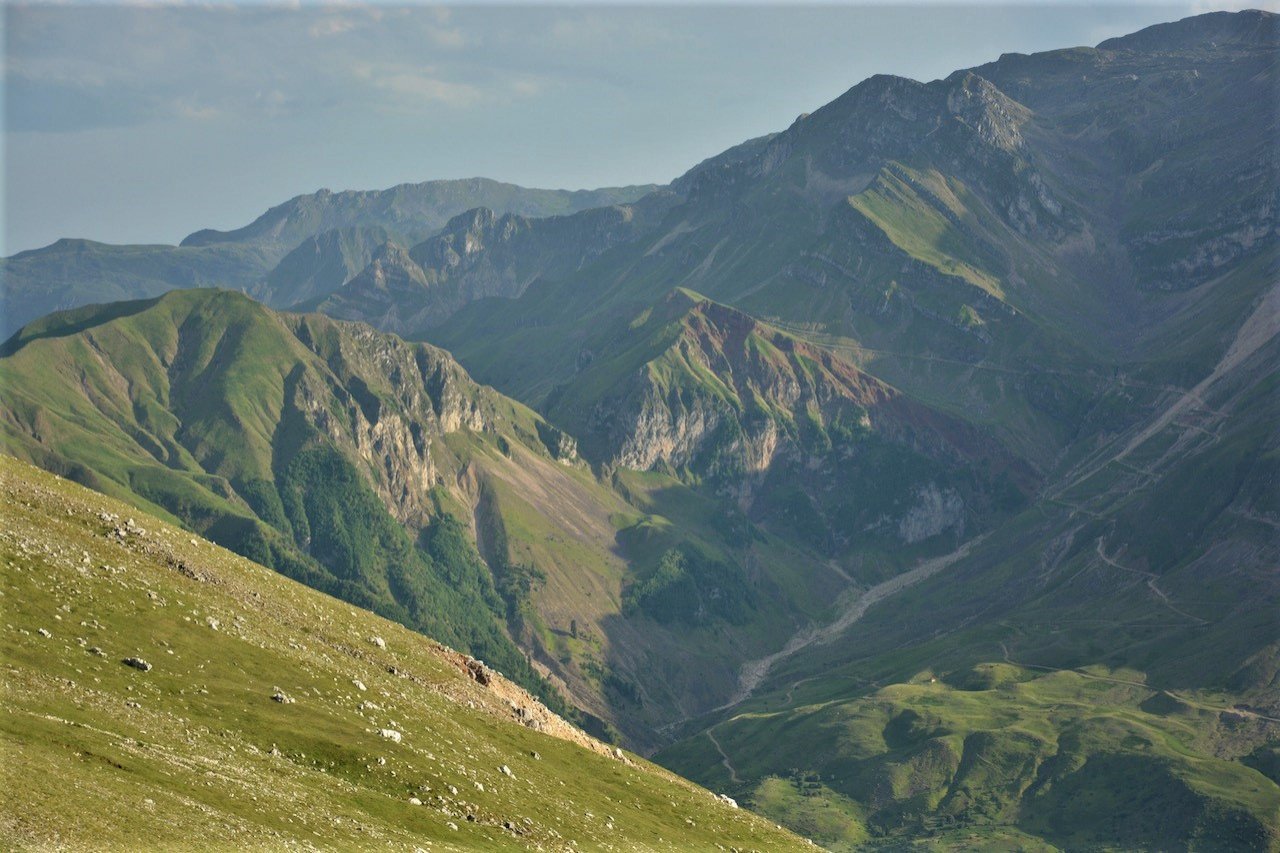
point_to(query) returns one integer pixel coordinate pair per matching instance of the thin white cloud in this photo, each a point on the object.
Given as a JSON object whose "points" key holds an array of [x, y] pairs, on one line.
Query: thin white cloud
{"points": [[446, 37], [331, 26], [416, 86], [188, 108]]}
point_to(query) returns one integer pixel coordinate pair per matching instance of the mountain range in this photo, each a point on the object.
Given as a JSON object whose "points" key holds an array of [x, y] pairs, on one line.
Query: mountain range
{"points": [[909, 474]]}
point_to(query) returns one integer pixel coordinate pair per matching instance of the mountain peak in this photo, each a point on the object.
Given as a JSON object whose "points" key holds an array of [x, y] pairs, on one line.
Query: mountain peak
{"points": [[471, 220], [1248, 28]]}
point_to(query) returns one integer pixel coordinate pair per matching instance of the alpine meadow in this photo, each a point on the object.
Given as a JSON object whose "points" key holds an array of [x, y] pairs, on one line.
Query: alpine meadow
{"points": [[907, 478]]}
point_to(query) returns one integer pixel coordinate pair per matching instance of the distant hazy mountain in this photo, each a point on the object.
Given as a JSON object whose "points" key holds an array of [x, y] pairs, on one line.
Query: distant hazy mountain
{"points": [[480, 254], [70, 273]]}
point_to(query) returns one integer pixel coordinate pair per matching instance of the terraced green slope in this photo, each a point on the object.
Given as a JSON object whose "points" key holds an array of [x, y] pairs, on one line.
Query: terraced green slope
{"points": [[267, 715], [1000, 756]]}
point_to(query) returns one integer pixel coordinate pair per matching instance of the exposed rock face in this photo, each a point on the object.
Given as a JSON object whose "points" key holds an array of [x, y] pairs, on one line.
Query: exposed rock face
{"points": [[657, 430], [737, 403], [936, 510], [433, 397]]}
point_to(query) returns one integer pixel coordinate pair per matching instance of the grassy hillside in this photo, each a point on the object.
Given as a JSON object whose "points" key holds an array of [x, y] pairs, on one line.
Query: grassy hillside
{"points": [[383, 737], [378, 472], [998, 755], [293, 441]]}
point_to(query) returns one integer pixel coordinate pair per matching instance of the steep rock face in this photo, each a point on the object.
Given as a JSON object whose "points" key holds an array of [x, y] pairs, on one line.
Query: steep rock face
{"points": [[1172, 130], [699, 388], [383, 293], [430, 397]]}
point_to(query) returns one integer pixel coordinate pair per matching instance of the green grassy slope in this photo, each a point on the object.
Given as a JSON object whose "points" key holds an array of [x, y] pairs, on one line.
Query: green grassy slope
{"points": [[998, 754], [194, 753], [285, 439], [376, 471]]}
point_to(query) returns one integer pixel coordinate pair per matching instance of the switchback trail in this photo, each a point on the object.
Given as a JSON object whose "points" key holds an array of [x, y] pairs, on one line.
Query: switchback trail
{"points": [[754, 672], [724, 757], [1151, 584]]}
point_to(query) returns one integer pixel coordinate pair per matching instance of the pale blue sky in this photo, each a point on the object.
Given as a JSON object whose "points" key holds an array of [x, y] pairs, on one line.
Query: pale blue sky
{"points": [[142, 123]]}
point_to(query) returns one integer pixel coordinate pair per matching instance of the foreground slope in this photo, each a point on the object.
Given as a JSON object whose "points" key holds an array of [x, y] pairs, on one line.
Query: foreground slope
{"points": [[273, 716]]}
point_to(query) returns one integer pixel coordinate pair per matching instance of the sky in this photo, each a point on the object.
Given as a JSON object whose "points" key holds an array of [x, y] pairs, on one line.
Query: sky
{"points": [[141, 123]]}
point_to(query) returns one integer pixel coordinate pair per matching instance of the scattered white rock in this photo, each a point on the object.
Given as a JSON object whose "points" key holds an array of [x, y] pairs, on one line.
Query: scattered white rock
{"points": [[414, 801], [391, 735], [379, 642], [281, 697], [212, 623], [137, 663], [43, 633], [359, 684], [506, 771]]}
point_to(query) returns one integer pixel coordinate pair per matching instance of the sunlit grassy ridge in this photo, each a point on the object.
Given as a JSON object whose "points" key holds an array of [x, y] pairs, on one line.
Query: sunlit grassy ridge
{"points": [[311, 447]]}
